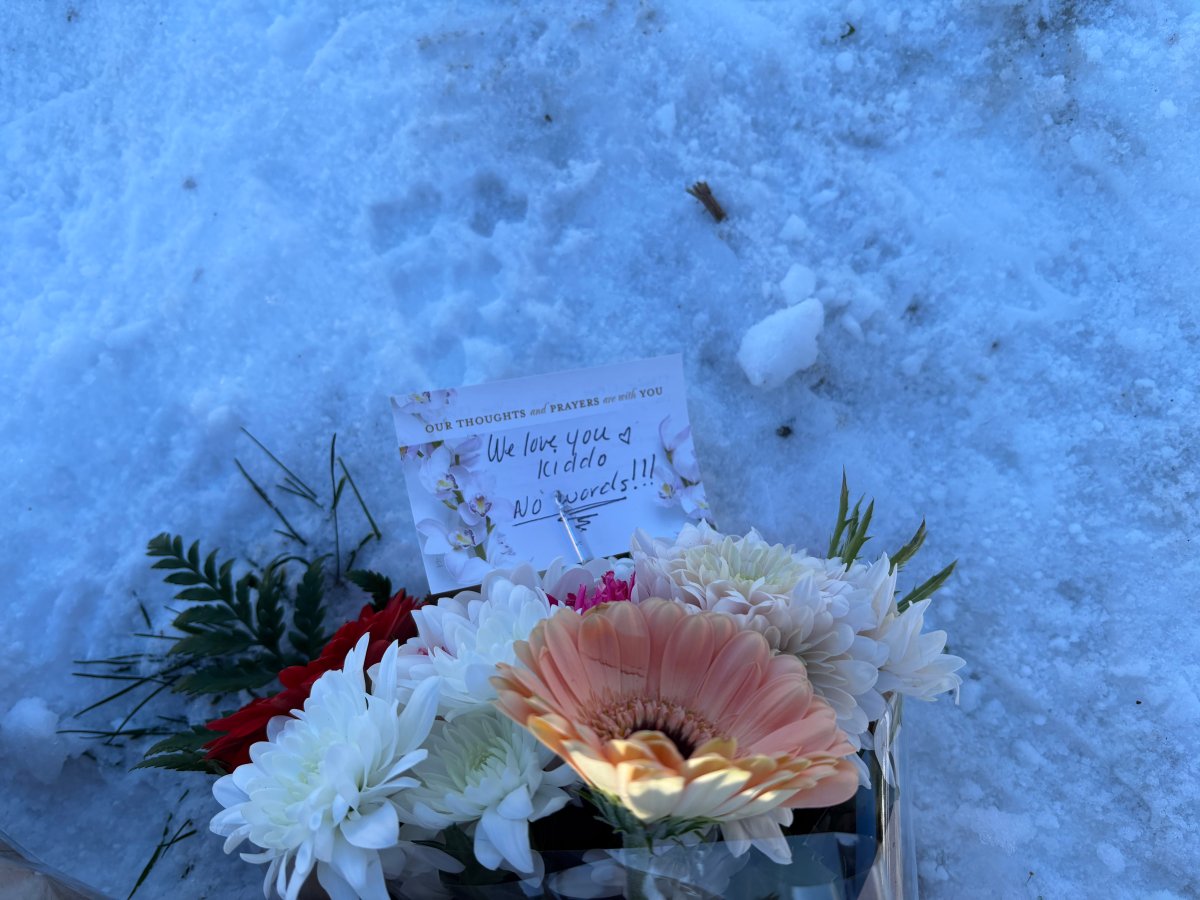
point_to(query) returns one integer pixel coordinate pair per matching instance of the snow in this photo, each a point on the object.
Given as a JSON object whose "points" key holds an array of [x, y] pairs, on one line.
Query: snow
{"points": [[265, 215], [798, 284], [782, 344], [29, 736]]}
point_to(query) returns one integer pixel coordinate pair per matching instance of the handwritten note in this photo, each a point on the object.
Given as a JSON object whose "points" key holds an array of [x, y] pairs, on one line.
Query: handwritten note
{"points": [[484, 466]]}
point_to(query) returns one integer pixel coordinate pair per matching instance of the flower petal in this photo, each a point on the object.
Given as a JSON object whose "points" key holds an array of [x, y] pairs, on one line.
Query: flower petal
{"points": [[377, 830]]}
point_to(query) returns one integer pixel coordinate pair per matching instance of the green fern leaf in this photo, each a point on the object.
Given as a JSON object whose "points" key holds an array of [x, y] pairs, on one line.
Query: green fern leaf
{"points": [[188, 761], [307, 636], [211, 643], [224, 678], [202, 615], [378, 586], [193, 739]]}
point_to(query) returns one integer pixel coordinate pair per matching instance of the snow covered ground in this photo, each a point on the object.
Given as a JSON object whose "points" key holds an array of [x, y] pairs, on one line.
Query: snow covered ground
{"points": [[274, 214]]}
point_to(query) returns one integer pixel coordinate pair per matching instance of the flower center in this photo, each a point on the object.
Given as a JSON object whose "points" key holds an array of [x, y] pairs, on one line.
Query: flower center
{"points": [[477, 757], [746, 563], [610, 590], [621, 716]]}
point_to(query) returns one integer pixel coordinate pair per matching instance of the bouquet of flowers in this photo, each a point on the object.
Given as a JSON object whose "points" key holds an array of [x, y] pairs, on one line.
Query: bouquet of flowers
{"points": [[659, 724]]}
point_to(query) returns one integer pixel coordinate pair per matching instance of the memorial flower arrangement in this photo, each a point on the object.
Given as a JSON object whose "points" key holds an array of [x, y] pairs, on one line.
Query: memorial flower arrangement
{"points": [[704, 691]]}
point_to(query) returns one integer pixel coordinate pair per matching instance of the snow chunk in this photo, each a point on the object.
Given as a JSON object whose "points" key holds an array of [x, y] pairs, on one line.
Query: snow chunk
{"points": [[793, 229], [782, 344], [798, 284], [28, 737], [1168, 109], [845, 61]]}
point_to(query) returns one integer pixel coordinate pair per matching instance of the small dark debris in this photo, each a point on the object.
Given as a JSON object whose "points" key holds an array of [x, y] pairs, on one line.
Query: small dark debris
{"points": [[189, 183], [72, 14], [995, 345], [701, 191], [850, 29], [1138, 702], [784, 431], [548, 117]]}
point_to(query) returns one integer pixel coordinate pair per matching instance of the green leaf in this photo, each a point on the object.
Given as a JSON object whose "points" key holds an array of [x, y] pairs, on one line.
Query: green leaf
{"points": [[198, 595], [211, 643], [367, 538], [159, 545], [241, 601], [909, 550], [290, 531], [378, 586], [308, 613], [374, 528], [224, 678], [184, 761], [183, 831], [210, 568], [843, 519], [185, 578], [193, 739], [926, 589], [858, 535], [850, 530], [294, 485], [203, 615], [843, 505], [137, 683], [268, 610], [333, 511]]}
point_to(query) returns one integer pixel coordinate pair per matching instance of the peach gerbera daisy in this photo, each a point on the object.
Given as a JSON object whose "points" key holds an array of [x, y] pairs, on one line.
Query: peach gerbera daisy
{"points": [[678, 715]]}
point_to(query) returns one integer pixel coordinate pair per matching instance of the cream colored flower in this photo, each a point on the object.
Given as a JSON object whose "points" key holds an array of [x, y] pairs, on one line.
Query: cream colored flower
{"points": [[841, 622]]}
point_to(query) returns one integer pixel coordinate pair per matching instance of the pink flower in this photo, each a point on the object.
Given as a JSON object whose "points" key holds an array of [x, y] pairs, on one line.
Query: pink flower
{"points": [[678, 715], [610, 590]]}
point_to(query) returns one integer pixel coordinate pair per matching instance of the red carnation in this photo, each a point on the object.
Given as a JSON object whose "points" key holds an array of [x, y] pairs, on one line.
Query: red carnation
{"points": [[248, 725]]}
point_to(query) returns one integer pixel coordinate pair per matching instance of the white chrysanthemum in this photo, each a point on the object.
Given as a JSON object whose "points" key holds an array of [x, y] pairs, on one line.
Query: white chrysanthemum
{"points": [[828, 632], [461, 638], [886, 641], [842, 622], [714, 571], [485, 771], [321, 792], [917, 664]]}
